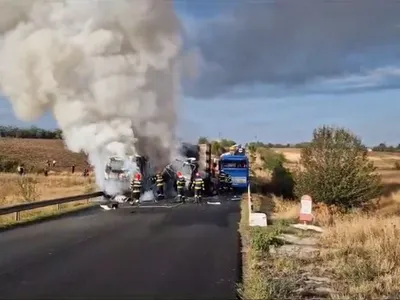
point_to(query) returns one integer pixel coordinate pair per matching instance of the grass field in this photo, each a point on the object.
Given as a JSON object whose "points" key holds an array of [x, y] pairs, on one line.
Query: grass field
{"points": [[35, 187], [383, 160], [357, 256], [17, 189], [35, 152]]}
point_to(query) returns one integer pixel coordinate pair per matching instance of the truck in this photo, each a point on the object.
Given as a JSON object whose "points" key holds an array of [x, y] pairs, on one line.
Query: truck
{"points": [[236, 164], [119, 172]]}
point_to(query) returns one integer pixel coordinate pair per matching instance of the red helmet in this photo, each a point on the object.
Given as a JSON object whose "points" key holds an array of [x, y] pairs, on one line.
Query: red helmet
{"points": [[138, 176], [197, 174], [179, 174]]}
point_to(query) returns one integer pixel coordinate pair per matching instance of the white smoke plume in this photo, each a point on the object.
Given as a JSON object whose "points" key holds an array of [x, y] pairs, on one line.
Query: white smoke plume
{"points": [[108, 71]]}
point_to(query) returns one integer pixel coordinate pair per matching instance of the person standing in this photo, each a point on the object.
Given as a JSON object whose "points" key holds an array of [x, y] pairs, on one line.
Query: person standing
{"points": [[198, 185], [181, 184], [136, 188]]}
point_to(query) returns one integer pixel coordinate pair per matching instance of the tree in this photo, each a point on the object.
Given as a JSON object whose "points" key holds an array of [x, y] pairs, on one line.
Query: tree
{"points": [[202, 140], [58, 134], [216, 148], [334, 169], [32, 133], [381, 147], [253, 146], [225, 143]]}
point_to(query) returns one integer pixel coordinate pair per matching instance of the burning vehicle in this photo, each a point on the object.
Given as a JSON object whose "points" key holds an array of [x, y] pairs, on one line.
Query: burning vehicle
{"points": [[119, 173]]}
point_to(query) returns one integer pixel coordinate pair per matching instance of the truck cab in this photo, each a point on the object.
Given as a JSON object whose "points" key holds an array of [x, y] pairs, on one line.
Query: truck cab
{"points": [[236, 164]]}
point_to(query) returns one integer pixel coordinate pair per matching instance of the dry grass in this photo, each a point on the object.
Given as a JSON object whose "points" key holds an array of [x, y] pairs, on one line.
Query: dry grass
{"points": [[43, 213], [18, 189], [45, 187], [266, 276], [364, 252], [360, 251], [35, 152], [382, 160]]}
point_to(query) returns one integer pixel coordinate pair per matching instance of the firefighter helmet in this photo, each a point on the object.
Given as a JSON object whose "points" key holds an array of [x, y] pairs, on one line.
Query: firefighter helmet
{"points": [[180, 175], [138, 176]]}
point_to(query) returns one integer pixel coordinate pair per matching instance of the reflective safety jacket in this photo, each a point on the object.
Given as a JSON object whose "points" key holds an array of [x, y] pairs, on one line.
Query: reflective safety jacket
{"points": [[136, 186], [159, 180], [198, 184], [222, 178], [181, 182]]}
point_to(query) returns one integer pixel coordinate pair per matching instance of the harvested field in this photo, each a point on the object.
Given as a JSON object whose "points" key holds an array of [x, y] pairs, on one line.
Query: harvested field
{"points": [[383, 160], [35, 152]]}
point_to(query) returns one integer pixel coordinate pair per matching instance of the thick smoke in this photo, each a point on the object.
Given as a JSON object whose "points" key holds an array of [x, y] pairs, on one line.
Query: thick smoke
{"points": [[291, 43], [106, 69]]}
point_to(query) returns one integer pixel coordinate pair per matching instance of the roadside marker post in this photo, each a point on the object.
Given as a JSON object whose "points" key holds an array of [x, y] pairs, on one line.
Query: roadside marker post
{"points": [[306, 209], [255, 219]]}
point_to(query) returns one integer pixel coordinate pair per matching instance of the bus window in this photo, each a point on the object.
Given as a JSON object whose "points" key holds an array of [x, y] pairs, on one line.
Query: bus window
{"points": [[226, 164]]}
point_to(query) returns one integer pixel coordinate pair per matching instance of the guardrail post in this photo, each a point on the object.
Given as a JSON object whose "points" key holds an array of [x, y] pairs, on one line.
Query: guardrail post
{"points": [[17, 216], [58, 206]]}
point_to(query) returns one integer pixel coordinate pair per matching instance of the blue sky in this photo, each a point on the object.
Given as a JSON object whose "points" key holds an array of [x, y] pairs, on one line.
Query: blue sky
{"points": [[346, 80]]}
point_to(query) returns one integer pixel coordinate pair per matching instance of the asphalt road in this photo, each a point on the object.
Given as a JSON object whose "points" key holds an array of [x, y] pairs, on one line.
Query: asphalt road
{"points": [[187, 252]]}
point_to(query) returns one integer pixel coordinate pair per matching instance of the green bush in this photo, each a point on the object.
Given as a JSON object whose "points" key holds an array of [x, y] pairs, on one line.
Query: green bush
{"points": [[202, 140], [335, 170], [264, 237], [225, 143], [216, 148], [282, 182], [271, 159]]}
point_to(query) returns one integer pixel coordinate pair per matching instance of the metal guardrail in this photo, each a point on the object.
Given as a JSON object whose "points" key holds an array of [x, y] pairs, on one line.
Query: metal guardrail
{"points": [[39, 204]]}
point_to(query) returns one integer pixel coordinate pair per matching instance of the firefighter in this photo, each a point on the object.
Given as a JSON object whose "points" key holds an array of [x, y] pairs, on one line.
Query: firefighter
{"points": [[180, 185], [136, 188], [221, 181], [198, 185], [160, 184], [228, 182]]}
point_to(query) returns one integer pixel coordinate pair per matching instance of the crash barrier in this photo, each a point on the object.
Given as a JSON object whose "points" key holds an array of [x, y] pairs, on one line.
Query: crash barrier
{"points": [[255, 218], [17, 209]]}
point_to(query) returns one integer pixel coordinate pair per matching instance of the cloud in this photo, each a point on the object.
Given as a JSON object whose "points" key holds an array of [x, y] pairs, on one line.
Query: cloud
{"points": [[7, 117], [295, 44]]}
